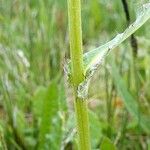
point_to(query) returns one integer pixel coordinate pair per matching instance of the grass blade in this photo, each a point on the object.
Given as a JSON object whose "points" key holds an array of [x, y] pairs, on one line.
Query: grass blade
{"points": [[129, 101]]}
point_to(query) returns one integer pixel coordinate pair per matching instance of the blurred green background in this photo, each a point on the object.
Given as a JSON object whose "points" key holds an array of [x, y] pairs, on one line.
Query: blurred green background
{"points": [[36, 103]]}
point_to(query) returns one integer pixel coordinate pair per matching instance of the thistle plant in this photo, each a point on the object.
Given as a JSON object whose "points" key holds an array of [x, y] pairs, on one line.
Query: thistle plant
{"points": [[82, 66]]}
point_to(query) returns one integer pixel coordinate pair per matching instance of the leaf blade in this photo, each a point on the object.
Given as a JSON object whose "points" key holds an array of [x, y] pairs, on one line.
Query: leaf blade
{"points": [[93, 59], [49, 108], [129, 101]]}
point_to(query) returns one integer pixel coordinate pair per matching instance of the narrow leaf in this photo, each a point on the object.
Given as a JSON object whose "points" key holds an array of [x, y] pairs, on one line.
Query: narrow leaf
{"points": [[93, 59], [49, 109], [129, 101], [38, 101]]}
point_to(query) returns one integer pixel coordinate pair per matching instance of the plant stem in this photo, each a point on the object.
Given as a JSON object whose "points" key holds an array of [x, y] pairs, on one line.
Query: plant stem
{"points": [[76, 52], [82, 124], [75, 32]]}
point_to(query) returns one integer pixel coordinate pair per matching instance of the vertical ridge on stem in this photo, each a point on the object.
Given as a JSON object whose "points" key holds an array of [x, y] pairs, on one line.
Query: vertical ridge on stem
{"points": [[75, 34], [77, 71]]}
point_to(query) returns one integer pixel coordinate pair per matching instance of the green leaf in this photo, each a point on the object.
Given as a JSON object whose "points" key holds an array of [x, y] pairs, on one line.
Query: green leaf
{"points": [[48, 104], [93, 59], [129, 101], [38, 100], [107, 144], [49, 109]]}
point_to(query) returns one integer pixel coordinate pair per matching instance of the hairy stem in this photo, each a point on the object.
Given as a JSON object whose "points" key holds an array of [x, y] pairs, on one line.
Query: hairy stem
{"points": [[76, 52]]}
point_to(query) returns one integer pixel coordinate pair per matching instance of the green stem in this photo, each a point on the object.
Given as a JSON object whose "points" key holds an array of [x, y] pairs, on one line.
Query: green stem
{"points": [[76, 52], [82, 124]]}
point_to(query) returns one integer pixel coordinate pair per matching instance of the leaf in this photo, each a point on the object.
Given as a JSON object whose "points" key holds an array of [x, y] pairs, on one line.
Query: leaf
{"points": [[93, 59], [49, 109], [48, 104], [38, 100], [129, 101], [57, 131], [107, 144]]}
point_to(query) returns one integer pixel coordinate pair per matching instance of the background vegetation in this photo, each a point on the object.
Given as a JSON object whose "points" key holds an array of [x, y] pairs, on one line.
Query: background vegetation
{"points": [[36, 108]]}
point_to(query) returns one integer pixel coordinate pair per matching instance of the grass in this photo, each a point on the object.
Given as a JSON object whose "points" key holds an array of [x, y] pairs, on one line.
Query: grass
{"points": [[34, 45]]}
